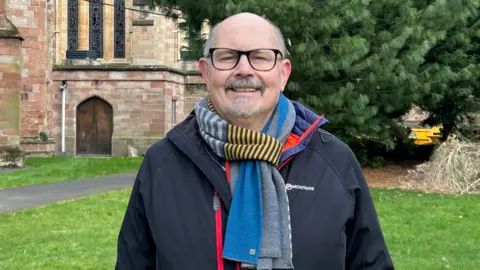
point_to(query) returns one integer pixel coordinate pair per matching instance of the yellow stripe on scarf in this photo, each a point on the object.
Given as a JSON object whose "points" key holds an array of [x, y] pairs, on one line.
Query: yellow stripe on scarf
{"points": [[245, 144], [210, 104]]}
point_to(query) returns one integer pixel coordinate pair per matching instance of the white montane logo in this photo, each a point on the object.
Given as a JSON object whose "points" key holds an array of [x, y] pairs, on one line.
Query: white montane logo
{"points": [[290, 187]]}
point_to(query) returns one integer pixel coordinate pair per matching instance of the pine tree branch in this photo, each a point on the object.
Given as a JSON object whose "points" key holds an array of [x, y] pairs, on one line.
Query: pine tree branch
{"points": [[430, 67]]}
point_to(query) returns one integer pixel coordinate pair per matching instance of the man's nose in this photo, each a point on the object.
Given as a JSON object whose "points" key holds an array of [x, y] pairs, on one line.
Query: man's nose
{"points": [[243, 67]]}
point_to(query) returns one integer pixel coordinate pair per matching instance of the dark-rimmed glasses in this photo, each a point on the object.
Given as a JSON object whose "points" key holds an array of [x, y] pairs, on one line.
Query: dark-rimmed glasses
{"points": [[259, 59]]}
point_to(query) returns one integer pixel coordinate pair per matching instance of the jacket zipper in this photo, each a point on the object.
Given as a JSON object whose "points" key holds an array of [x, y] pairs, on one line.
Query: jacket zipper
{"points": [[218, 230], [216, 201]]}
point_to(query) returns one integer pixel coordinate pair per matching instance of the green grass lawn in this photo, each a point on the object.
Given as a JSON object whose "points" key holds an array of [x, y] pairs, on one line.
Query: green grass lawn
{"points": [[430, 231], [77, 234], [423, 231], [47, 169]]}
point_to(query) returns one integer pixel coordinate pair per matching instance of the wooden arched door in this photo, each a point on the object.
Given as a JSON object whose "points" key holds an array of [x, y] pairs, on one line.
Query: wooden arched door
{"points": [[94, 127]]}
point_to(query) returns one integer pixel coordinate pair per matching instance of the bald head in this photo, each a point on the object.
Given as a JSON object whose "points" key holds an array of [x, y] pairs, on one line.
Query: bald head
{"points": [[245, 24]]}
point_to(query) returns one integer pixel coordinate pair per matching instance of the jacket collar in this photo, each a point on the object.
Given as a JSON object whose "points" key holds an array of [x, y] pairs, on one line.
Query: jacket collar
{"points": [[306, 126]]}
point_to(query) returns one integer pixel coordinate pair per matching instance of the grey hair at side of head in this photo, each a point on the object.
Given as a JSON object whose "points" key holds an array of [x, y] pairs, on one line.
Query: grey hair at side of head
{"points": [[281, 40]]}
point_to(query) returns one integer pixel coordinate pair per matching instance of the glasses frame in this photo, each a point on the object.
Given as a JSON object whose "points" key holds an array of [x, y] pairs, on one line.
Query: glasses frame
{"points": [[247, 54]]}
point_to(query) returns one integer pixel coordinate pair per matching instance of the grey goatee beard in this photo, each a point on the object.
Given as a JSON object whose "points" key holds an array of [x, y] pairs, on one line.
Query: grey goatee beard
{"points": [[242, 106]]}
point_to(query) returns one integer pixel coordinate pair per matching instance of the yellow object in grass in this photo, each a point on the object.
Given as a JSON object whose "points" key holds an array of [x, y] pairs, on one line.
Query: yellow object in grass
{"points": [[422, 136]]}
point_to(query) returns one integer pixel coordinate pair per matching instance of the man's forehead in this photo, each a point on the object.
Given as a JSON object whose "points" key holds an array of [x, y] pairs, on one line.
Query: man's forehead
{"points": [[253, 31], [245, 18]]}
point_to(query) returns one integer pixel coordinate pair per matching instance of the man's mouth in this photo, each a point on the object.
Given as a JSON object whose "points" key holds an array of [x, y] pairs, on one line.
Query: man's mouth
{"points": [[243, 89]]}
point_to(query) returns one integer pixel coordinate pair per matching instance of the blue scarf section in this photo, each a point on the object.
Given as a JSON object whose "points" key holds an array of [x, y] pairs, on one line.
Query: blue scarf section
{"points": [[243, 235]]}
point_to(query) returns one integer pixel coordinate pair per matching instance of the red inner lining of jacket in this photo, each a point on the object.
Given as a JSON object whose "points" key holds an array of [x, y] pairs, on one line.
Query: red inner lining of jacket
{"points": [[294, 140]]}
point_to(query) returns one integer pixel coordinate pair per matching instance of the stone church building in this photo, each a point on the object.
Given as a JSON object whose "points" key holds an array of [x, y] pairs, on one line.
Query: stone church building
{"points": [[91, 77]]}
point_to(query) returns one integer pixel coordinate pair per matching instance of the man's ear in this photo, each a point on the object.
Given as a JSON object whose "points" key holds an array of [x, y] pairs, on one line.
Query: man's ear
{"points": [[203, 66], [286, 70]]}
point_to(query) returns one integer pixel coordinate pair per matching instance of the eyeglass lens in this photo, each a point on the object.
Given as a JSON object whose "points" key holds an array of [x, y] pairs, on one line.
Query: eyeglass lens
{"points": [[262, 59]]}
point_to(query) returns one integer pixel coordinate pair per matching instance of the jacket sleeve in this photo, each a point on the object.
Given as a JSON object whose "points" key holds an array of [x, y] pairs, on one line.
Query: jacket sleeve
{"points": [[135, 247], [366, 247]]}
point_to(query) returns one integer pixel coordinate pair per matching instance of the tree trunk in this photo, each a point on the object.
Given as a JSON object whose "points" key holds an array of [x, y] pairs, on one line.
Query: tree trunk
{"points": [[446, 131]]}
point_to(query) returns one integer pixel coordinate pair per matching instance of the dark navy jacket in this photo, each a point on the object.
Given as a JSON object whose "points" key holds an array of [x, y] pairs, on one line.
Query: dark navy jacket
{"points": [[170, 221]]}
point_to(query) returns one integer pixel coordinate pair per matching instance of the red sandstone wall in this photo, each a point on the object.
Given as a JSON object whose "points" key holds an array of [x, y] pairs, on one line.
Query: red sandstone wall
{"points": [[10, 84], [30, 17]]}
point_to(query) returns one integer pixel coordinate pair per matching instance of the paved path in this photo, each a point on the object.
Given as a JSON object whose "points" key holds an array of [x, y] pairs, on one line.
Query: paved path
{"points": [[19, 198]]}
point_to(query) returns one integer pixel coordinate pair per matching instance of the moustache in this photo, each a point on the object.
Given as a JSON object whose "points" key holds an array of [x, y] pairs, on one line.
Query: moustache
{"points": [[254, 83]]}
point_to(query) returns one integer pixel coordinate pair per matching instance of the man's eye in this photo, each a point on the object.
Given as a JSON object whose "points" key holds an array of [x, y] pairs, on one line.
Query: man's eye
{"points": [[227, 58]]}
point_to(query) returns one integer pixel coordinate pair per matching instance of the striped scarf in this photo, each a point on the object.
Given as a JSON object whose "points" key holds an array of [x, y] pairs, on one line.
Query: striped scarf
{"points": [[258, 232]]}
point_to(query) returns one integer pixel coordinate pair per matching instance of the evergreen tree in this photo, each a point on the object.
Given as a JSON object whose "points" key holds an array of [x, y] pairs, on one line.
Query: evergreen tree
{"points": [[360, 62], [454, 70]]}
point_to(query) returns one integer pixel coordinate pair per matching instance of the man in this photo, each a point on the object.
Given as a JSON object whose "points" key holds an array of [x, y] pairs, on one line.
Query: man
{"points": [[249, 180]]}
